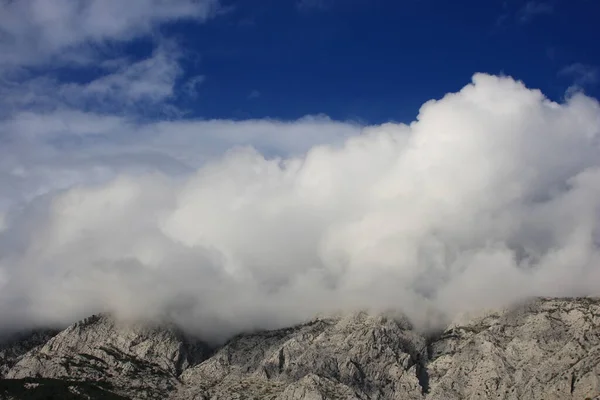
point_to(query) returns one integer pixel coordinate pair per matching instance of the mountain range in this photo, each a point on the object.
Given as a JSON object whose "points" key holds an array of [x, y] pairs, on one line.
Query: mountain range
{"points": [[545, 348]]}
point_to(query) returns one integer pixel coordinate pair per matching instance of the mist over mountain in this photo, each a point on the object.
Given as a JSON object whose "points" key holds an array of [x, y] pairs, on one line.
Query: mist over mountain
{"points": [[490, 196]]}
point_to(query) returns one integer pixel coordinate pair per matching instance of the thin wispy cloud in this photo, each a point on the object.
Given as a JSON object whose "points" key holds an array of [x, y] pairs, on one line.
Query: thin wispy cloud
{"points": [[39, 31], [524, 14], [532, 10], [192, 85], [255, 94], [74, 34], [141, 85], [582, 75]]}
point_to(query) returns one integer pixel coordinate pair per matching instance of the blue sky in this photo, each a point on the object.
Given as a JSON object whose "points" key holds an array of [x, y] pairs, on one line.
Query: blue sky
{"points": [[370, 61], [380, 60]]}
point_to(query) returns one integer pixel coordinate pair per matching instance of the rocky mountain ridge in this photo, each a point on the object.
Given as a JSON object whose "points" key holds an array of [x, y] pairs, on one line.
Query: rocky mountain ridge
{"points": [[543, 349]]}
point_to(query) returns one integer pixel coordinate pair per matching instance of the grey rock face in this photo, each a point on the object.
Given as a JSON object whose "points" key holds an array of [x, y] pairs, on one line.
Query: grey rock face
{"points": [[357, 356], [136, 360], [549, 348], [545, 349], [12, 349]]}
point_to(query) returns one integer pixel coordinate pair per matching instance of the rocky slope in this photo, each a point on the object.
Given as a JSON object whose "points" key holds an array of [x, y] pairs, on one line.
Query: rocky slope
{"points": [[132, 360], [13, 348], [545, 349]]}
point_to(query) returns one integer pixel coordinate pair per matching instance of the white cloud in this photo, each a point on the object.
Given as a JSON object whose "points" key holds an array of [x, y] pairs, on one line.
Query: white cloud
{"points": [[143, 85], [38, 31], [46, 151], [490, 196], [49, 34], [29, 124], [151, 79]]}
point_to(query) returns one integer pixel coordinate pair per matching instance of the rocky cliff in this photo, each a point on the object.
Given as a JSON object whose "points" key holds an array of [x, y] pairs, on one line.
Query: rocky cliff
{"points": [[544, 349]]}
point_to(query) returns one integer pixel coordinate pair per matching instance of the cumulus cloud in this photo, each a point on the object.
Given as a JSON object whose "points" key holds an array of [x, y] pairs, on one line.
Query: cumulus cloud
{"points": [[491, 195]]}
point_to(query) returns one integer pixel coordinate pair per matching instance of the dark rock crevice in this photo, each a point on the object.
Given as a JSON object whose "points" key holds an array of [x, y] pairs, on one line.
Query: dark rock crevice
{"points": [[422, 373], [423, 358], [281, 361]]}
